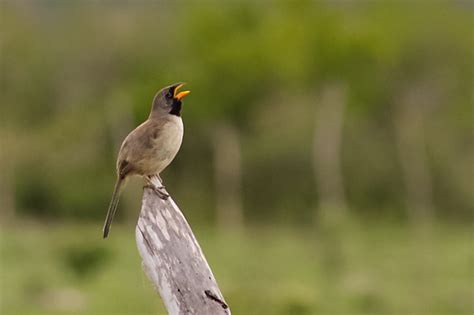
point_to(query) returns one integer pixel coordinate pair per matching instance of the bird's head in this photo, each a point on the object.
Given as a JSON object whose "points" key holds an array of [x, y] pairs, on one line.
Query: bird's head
{"points": [[168, 99]]}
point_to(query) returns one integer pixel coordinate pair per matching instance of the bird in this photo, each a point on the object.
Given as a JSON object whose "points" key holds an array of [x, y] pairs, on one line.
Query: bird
{"points": [[150, 148]]}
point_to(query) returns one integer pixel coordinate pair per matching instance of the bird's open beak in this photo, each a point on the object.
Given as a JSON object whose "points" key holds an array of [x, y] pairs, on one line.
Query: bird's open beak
{"points": [[180, 95]]}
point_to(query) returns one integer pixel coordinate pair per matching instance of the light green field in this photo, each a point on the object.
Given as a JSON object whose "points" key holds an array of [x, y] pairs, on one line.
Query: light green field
{"points": [[385, 269]]}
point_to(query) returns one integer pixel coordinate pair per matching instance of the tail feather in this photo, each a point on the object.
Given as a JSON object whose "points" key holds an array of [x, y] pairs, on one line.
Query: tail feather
{"points": [[113, 206]]}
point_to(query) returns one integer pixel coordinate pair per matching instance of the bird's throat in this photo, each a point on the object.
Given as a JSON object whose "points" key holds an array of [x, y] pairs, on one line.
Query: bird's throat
{"points": [[176, 108]]}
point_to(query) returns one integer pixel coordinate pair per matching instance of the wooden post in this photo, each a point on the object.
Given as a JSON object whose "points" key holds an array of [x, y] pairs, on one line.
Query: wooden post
{"points": [[173, 259]]}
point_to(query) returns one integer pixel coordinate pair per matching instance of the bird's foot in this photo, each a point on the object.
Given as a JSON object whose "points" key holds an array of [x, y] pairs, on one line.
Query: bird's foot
{"points": [[160, 191]]}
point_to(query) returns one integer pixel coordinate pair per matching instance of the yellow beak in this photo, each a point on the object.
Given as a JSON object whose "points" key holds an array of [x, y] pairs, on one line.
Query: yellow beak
{"points": [[180, 95]]}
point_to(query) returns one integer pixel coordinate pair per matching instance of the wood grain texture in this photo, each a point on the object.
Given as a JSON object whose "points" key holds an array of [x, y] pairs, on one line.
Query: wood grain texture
{"points": [[173, 259]]}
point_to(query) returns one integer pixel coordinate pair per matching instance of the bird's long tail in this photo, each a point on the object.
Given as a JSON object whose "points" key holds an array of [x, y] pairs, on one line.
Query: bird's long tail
{"points": [[113, 205]]}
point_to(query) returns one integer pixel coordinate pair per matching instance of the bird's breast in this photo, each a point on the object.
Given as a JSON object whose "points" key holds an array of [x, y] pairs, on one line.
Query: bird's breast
{"points": [[167, 143], [171, 136]]}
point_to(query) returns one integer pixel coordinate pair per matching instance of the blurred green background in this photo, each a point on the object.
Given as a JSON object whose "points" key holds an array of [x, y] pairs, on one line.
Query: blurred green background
{"points": [[326, 168]]}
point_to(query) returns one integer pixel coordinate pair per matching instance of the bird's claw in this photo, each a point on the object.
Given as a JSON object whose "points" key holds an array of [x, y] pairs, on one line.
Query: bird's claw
{"points": [[160, 191]]}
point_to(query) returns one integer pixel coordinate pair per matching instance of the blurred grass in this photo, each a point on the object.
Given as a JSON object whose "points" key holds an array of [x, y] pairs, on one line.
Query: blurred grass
{"points": [[343, 269]]}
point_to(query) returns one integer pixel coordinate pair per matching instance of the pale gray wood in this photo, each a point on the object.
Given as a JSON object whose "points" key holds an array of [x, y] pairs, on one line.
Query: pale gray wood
{"points": [[173, 259]]}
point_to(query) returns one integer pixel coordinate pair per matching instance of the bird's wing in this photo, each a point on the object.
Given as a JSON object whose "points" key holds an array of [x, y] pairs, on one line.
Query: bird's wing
{"points": [[124, 168], [138, 143]]}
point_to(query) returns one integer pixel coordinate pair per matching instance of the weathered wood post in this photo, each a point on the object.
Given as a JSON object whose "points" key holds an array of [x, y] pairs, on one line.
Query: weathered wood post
{"points": [[173, 259]]}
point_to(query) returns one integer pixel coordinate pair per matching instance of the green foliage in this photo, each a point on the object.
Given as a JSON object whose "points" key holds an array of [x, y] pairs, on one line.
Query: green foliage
{"points": [[77, 77], [348, 269], [84, 260]]}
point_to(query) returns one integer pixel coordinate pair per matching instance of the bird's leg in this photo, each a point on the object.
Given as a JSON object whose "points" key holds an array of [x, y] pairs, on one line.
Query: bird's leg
{"points": [[161, 181], [160, 191]]}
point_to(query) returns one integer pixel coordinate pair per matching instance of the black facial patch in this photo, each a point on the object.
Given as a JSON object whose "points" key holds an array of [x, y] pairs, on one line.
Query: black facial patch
{"points": [[170, 92], [176, 108]]}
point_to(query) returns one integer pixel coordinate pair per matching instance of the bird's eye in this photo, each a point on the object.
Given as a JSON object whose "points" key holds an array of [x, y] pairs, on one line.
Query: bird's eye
{"points": [[169, 94]]}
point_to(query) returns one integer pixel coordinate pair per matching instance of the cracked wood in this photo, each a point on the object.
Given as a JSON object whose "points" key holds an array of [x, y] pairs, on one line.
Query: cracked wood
{"points": [[173, 259]]}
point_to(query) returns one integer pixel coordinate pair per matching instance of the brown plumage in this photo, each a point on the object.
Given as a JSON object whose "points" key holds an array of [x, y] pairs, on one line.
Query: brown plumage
{"points": [[150, 147]]}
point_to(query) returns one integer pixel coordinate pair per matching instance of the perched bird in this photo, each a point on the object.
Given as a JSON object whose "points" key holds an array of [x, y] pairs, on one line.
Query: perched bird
{"points": [[150, 147]]}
